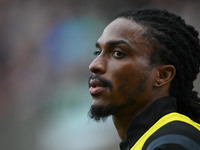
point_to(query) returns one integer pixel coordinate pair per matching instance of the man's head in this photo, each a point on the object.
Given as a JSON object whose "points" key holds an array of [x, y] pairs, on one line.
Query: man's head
{"points": [[145, 55]]}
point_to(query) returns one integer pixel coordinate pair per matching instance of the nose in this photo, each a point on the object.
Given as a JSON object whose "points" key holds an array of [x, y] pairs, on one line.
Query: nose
{"points": [[98, 65]]}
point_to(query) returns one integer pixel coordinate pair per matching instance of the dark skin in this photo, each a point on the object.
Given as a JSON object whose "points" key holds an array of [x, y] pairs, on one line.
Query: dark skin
{"points": [[123, 59]]}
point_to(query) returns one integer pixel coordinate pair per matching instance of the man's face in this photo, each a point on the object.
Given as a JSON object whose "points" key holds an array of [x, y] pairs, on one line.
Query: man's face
{"points": [[122, 78]]}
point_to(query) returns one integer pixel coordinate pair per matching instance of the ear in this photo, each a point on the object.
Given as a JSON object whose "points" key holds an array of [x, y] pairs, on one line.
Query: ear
{"points": [[165, 75]]}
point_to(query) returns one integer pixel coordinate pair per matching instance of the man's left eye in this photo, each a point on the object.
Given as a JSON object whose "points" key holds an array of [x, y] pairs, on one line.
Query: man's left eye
{"points": [[118, 54]]}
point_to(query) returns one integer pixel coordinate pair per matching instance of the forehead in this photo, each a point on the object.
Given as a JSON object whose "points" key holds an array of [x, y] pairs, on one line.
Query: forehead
{"points": [[126, 30], [122, 28]]}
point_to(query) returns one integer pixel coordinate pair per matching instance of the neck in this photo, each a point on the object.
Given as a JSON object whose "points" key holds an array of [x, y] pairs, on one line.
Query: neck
{"points": [[121, 124], [124, 117], [122, 121]]}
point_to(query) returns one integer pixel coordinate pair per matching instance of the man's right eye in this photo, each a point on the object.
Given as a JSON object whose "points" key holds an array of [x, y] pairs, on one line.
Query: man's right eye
{"points": [[96, 53]]}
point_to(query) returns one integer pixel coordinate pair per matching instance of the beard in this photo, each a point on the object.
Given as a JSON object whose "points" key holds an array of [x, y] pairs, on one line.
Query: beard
{"points": [[99, 113]]}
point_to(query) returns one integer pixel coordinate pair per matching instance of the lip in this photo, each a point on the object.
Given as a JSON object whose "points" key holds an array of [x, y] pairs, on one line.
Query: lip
{"points": [[96, 87]]}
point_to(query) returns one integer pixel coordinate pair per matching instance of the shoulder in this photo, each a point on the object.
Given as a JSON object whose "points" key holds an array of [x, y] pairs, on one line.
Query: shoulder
{"points": [[176, 135]]}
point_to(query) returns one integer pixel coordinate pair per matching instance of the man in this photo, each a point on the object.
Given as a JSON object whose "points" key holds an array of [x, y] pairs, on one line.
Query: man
{"points": [[143, 73]]}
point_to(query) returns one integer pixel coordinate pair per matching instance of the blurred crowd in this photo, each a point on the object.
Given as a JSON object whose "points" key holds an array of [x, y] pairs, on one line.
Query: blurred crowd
{"points": [[45, 49]]}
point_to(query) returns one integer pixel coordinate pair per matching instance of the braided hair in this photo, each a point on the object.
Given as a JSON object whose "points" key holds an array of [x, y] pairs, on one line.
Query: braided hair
{"points": [[174, 43]]}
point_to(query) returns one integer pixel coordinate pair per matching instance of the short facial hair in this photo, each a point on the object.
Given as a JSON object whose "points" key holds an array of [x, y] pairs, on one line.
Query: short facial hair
{"points": [[99, 113]]}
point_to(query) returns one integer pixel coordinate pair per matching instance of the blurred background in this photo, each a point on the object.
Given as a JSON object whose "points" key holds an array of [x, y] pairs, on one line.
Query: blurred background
{"points": [[45, 49]]}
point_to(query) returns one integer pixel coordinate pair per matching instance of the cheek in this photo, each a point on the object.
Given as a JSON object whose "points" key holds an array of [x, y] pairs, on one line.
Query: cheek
{"points": [[128, 80], [125, 78], [126, 75]]}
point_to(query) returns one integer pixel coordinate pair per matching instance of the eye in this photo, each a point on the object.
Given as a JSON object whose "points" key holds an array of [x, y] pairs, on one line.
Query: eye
{"points": [[97, 53], [118, 54]]}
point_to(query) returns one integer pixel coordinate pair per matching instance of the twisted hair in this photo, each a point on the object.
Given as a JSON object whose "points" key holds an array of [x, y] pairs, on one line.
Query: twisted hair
{"points": [[174, 43]]}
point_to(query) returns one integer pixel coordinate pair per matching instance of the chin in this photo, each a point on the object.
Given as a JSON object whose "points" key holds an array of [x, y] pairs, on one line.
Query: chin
{"points": [[97, 101], [101, 111]]}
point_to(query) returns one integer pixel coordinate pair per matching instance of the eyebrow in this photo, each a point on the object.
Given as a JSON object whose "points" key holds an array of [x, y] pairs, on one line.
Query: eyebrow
{"points": [[113, 43]]}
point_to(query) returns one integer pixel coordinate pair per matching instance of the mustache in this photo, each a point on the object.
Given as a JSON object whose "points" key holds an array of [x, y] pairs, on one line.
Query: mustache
{"points": [[101, 79]]}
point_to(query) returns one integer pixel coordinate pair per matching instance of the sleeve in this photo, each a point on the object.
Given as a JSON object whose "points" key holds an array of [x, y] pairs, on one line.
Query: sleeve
{"points": [[173, 142]]}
